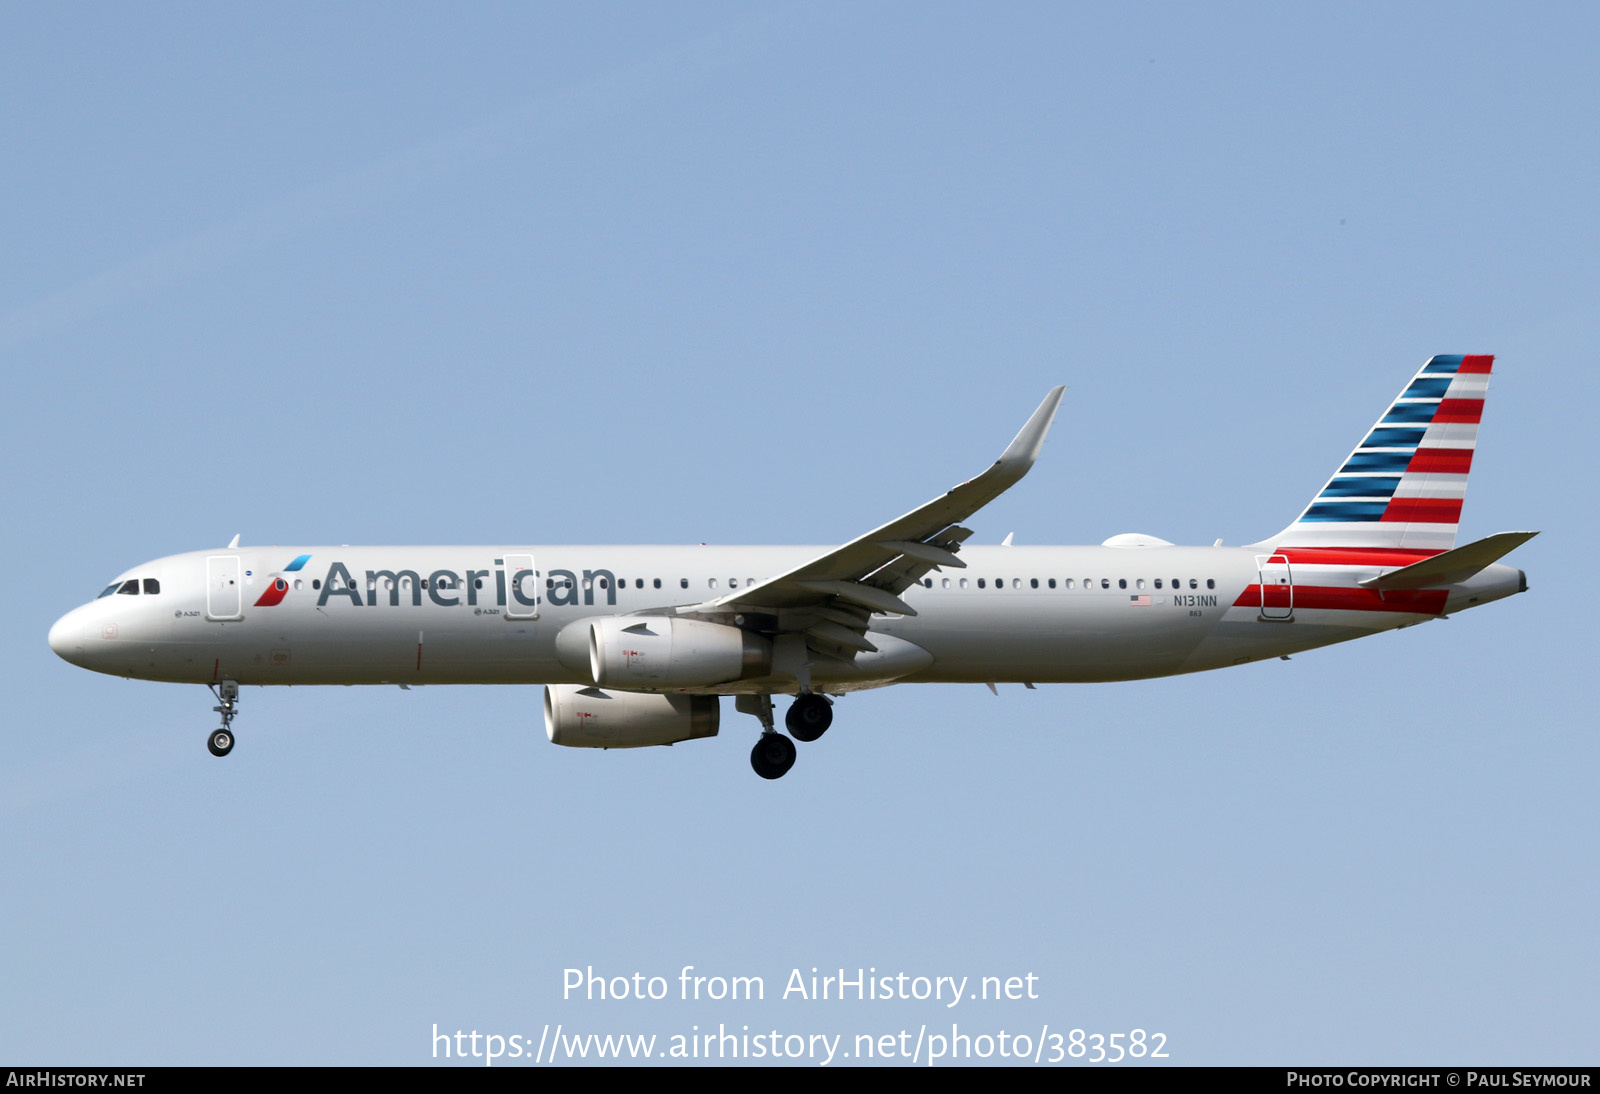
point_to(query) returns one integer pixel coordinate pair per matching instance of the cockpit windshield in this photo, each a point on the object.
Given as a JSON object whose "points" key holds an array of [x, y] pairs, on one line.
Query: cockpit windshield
{"points": [[130, 587]]}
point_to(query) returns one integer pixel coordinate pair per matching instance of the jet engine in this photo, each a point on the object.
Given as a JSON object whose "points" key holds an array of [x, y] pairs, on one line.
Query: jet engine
{"points": [[589, 717], [658, 652]]}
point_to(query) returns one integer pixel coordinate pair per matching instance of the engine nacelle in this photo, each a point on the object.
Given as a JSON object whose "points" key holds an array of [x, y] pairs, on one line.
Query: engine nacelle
{"points": [[660, 652], [588, 717]]}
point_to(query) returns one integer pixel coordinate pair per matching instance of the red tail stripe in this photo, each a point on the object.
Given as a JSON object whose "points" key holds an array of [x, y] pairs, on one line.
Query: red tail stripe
{"points": [[1450, 461], [1355, 556], [1412, 601], [1458, 410], [1476, 363], [1424, 510]]}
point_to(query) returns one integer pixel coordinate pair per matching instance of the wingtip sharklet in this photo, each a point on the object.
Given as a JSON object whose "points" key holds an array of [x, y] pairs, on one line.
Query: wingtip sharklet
{"points": [[1024, 448]]}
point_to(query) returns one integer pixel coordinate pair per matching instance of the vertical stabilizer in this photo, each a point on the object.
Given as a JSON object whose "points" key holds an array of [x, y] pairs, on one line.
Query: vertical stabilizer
{"points": [[1404, 484]]}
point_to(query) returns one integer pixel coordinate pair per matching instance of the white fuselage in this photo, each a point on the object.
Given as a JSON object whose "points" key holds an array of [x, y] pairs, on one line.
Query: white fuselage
{"points": [[462, 615]]}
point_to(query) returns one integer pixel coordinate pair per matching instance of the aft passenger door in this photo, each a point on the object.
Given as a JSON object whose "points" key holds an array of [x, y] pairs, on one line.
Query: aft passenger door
{"points": [[1277, 588]]}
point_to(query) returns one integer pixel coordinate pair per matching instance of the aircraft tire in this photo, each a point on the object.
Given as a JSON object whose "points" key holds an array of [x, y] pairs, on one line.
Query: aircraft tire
{"points": [[809, 717], [773, 756], [220, 742]]}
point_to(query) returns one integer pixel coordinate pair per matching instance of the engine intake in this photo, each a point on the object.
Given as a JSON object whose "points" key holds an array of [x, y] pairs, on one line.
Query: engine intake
{"points": [[589, 717], [658, 652]]}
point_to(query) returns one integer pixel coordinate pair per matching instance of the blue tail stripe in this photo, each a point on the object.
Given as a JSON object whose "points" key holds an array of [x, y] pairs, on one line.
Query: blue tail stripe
{"points": [[1397, 437], [1346, 510], [1377, 461], [1427, 387], [1373, 486], [1410, 412], [1443, 363]]}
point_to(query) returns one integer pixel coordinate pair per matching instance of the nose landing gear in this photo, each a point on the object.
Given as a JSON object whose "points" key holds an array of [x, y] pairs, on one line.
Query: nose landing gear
{"points": [[220, 742]]}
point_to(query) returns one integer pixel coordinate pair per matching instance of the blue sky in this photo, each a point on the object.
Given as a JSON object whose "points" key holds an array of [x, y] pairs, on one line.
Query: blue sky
{"points": [[775, 274]]}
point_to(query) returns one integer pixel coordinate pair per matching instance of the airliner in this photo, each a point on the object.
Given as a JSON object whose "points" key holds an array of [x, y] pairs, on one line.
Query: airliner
{"points": [[638, 646]]}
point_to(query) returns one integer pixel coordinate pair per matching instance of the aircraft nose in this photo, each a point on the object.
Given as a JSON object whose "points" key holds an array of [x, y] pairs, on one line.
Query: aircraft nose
{"points": [[66, 638]]}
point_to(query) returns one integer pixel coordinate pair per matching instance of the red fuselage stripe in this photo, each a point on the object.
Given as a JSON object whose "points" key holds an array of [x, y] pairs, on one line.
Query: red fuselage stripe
{"points": [[1355, 556], [1412, 601]]}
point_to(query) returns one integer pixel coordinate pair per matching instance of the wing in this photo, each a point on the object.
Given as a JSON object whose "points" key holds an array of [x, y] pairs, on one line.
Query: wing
{"points": [[831, 599]]}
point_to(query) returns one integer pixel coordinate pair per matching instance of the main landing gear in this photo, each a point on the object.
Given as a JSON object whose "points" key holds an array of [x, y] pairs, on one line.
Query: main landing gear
{"points": [[773, 755], [221, 740], [808, 718]]}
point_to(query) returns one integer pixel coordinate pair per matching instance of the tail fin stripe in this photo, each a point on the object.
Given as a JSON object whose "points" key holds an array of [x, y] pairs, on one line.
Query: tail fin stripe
{"points": [[1394, 437], [1367, 486], [1345, 511], [1450, 461], [1424, 510], [1467, 387], [1378, 461], [1411, 412], [1427, 387], [1451, 487], [1460, 410], [1403, 485]]}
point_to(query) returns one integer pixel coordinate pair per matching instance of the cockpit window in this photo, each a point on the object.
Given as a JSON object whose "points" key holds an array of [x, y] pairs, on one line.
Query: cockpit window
{"points": [[111, 588], [130, 587], [151, 586]]}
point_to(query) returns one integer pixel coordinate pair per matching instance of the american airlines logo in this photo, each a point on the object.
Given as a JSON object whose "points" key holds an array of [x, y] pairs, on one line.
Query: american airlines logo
{"points": [[279, 586], [449, 588]]}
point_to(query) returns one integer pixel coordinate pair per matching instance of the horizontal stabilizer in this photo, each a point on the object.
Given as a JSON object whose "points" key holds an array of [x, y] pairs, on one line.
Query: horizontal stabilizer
{"points": [[1452, 566]]}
